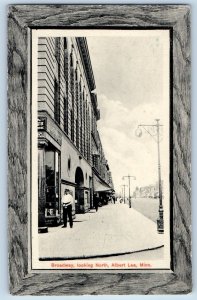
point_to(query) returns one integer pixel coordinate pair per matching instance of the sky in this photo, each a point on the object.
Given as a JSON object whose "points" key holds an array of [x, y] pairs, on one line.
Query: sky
{"points": [[132, 86]]}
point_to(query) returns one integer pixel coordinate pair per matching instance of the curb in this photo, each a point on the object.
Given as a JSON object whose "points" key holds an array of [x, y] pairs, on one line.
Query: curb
{"points": [[96, 256]]}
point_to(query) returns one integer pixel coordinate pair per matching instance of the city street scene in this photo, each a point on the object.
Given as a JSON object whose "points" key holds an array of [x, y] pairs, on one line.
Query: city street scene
{"points": [[100, 149]]}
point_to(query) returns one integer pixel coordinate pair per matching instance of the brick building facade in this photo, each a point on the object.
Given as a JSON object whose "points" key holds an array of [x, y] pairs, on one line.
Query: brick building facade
{"points": [[70, 153]]}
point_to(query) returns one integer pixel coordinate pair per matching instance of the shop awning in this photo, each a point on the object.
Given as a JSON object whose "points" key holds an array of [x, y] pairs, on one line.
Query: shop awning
{"points": [[99, 186]]}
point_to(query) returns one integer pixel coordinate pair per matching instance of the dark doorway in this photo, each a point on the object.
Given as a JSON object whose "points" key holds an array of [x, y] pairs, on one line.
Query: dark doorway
{"points": [[79, 191], [91, 192]]}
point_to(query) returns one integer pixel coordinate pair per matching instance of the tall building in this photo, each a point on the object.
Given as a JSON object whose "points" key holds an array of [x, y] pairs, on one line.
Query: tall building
{"points": [[70, 153]]}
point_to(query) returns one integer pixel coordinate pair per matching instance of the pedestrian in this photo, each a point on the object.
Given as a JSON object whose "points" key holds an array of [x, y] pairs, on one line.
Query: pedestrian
{"points": [[67, 202], [130, 202], [96, 202]]}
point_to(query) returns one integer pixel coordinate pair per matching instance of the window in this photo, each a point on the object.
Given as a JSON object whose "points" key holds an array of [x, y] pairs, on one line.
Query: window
{"points": [[57, 101], [66, 86], [77, 107], [57, 82], [95, 160], [77, 133], [66, 115], [57, 49], [73, 98], [72, 126], [71, 60], [69, 163], [52, 167], [88, 135]]}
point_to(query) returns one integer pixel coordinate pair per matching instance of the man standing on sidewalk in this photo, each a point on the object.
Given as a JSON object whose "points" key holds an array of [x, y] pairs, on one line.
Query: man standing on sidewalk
{"points": [[67, 201]]}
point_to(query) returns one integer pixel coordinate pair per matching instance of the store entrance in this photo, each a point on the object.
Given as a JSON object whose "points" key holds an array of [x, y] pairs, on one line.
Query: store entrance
{"points": [[52, 167], [79, 191]]}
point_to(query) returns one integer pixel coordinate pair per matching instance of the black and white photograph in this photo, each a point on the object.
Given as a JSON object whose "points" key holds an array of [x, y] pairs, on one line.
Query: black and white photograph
{"points": [[100, 149]]}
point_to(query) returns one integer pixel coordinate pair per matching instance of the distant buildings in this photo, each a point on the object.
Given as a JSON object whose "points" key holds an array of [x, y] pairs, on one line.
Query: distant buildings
{"points": [[70, 152], [150, 191]]}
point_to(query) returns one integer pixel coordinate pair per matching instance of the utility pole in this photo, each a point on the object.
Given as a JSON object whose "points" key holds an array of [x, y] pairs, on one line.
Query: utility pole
{"points": [[160, 222], [124, 185], [156, 136], [129, 177]]}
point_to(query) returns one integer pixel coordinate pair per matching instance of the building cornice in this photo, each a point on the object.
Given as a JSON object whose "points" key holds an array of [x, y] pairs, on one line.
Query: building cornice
{"points": [[85, 56], [86, 61]]}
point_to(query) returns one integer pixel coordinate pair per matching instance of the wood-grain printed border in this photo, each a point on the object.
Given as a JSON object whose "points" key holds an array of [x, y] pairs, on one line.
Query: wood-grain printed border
{"points": [[21, 19]]}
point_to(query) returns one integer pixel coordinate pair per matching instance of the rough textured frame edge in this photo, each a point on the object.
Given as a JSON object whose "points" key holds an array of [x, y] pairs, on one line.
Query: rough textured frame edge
{"points": [[20, 19]]}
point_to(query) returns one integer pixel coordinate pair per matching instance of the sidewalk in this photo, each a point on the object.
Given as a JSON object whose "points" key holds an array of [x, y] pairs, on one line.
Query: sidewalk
{"points": [[114, 229]]}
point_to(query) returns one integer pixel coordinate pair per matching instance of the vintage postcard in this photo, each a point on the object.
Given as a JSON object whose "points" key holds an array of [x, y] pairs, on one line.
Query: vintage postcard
{"points": [[100, 155]]}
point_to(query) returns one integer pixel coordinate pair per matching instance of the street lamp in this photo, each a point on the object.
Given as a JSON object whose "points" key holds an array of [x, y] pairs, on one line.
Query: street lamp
{"points": [[129, 177], [124, 185], [150, 130]]}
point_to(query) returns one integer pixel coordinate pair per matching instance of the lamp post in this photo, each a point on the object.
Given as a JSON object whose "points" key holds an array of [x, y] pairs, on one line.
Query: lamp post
{"points": [[147, 128], [124, 185], [129, 177]]}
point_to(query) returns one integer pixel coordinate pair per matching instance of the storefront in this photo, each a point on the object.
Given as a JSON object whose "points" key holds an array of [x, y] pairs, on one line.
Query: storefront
{"points": [[82, 192], [102, 190], [52, 169], [49, 164]]}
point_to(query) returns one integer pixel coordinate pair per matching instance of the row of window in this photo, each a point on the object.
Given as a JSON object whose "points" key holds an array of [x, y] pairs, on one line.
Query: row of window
{"points": [[77, 121], [76, 111]]}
